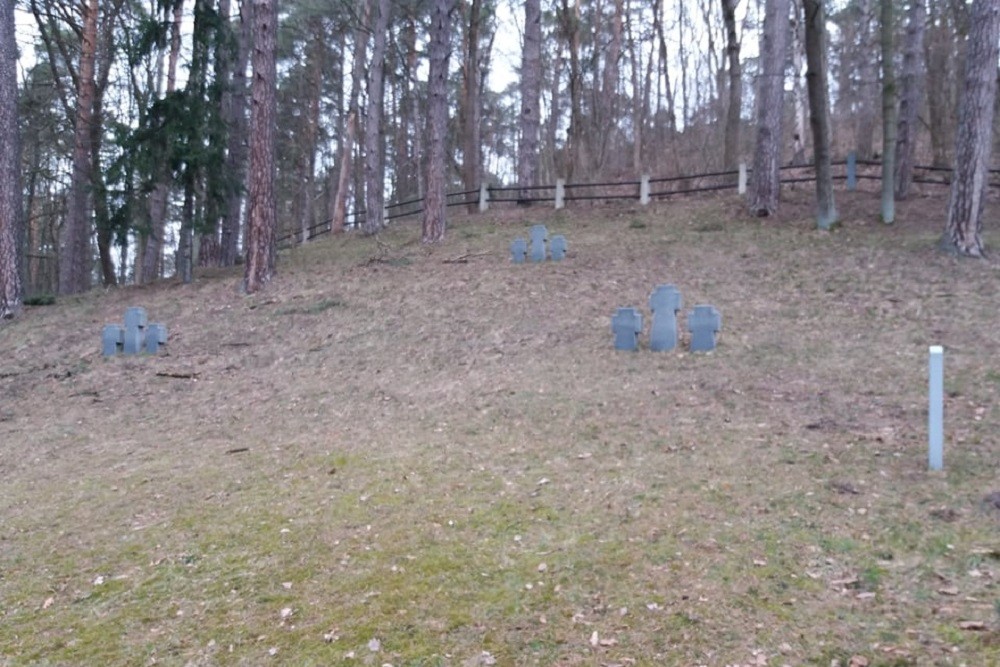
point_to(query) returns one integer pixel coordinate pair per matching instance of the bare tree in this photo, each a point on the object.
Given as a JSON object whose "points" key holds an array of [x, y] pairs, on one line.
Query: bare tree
{"points": [[234, 115], [766, 186], [974, 138], [374, 169], [75, 254], [819, 110], [732, 140], [531, 85], [261, 213], [11, 212], [909, 100], [888, 116], [434, 220]]}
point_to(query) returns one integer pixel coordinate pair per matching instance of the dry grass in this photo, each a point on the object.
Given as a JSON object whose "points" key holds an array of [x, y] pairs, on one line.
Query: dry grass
{"points": [[451, 459]]}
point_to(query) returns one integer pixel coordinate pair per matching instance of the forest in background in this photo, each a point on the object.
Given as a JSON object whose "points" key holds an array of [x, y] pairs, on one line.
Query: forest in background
{"points": [[139, 121]]}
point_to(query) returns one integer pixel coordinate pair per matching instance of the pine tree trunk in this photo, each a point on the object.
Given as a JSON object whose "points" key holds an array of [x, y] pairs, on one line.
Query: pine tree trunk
{"points": [[261, 213], [11, 212], [471, 160], [531, 88], [339, 210], [434, 218], [819, 110], [74, 242], [732, 140], [374, 169], [974, 138], [766, 185], [888, 117], [909, 101], [234, 114]]}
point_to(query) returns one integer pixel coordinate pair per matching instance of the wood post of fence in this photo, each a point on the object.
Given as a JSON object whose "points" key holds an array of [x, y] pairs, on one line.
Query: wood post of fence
{"points": [[560, 193], [644, 190], [484, 198], [852, 171], [742, 184]]}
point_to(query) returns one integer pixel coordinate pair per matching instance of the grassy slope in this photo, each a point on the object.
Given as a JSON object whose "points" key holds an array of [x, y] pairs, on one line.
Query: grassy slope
{"points": [[449, 458]]}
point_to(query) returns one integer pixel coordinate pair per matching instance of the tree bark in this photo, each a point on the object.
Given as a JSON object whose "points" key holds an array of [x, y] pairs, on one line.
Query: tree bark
{"points": [[374, 169], [888, 116], [766, 185], [471, 152], [434, 217], [909, 101], [234, 115], [531, 90], [261, 213], [819, 110], [74, 243], [974, 138], [732, 138], [11, 211], [339, 209], [868, 86]]}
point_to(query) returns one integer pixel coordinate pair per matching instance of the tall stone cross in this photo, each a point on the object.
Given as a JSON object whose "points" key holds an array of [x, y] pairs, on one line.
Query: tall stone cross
{"points": [[626, 326]]}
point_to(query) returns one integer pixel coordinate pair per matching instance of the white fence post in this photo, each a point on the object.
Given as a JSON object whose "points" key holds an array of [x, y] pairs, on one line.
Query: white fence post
{"points": [[560, 193], [742, 187], [935, 413], [484, 198], [644, 190]]}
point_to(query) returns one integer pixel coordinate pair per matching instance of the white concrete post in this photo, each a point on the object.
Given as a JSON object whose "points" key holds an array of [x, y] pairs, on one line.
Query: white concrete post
{"points": [[484, 198], [742, 188], [935, 413], [560, 193], [644, 190]]}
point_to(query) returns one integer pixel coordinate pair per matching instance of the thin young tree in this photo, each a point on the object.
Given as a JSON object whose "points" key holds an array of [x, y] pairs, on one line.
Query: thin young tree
{"points": [[888, 116], [531, 86], [766, 185], [434, 219], [374, 169], [731, 144], [910, 96], [974, 138], [819, 110], [261, 213], [11, 212], [338, 207]]}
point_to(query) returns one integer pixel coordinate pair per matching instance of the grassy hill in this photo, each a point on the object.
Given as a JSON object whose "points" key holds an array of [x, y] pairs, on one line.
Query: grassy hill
{"points": [[412, 455]]}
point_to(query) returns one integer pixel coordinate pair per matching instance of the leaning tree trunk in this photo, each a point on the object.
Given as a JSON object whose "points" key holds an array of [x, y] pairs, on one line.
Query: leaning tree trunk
{"points": [[74, 242], [974, 138], [766, 185], [732, 140], [261, 212], [909, 101], [434, 220], [338, 211], [374, 169], [11, 212], [888, 117], [819, 110], [531, 88]]}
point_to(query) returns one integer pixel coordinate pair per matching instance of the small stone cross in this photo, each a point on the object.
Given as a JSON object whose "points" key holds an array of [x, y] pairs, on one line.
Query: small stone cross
{"points": [[703, 323], [557, 247], [626, 326], [518, 250]]}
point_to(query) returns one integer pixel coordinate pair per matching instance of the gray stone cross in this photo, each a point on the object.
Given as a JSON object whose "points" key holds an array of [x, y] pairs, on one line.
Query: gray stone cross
{"points": [[626, 326], [703, 322], [518, 250], [557, 247], [538, 237], [136, 336], [665, 302]]}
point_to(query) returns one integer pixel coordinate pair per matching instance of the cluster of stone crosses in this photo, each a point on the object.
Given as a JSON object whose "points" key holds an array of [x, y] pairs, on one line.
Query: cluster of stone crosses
{"points": [[539, 235], [136, 336], [704, 323]]}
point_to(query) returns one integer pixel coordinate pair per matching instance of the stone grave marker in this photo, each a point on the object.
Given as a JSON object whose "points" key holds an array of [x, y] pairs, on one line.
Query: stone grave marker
{"points": [[112, 339], [704, 322], [518, 250], [538, 237], [626, 326], [156, 335], [665, 302], [557, 247]]}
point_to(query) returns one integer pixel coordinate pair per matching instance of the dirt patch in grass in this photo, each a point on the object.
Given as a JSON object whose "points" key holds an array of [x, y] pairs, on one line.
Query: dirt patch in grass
{"points": [[430, 456]]}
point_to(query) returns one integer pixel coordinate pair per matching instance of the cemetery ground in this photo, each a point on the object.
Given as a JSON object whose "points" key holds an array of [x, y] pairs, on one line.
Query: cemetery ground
{"points": [[411, 455]]}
